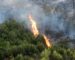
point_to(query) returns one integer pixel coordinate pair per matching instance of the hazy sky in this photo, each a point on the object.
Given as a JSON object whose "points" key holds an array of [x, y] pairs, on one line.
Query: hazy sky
{"points": [[19, 8]]}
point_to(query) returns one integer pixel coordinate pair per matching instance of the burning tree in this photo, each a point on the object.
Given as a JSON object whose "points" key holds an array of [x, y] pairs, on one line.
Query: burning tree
{"points": [[36, 32]]}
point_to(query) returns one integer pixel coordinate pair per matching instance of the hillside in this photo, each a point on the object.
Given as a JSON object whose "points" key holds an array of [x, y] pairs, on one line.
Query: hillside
{"points": [[18, 43]]}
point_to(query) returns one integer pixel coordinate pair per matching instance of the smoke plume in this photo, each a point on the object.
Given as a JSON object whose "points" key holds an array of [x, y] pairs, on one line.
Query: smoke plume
{"points": [[54, 15]]}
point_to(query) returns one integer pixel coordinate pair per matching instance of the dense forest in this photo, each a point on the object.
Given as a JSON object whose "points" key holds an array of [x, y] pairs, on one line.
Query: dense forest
{"points": [[18, 43]]}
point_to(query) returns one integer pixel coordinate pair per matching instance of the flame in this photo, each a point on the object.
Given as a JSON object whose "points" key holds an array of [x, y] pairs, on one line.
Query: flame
{"points": [[34, 26], [47, 41], [36, 32]]}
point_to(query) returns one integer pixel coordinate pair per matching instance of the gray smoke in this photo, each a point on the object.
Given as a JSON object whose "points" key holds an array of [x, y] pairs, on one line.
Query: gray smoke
{"points": [[54, 15]]}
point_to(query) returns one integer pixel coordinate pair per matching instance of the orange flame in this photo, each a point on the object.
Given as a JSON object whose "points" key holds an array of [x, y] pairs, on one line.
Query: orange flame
{"points": [[47, 41], [36, 32], [34, 26]]}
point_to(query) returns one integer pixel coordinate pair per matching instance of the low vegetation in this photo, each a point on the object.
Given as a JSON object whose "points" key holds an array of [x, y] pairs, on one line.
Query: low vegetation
{"points": [[18, 43]]}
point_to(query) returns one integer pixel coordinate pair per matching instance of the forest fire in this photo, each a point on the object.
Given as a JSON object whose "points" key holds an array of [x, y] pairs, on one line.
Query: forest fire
{"points": [[34, 26], [36, 32], [47, 41]]}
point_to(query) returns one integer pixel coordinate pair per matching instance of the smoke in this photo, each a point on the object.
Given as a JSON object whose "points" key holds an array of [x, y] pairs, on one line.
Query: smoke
{"points": [[56, 15], [19, 9]]}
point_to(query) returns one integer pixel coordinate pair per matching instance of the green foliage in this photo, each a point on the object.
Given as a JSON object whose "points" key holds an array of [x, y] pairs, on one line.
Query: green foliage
{"points": [[45, 54], [19, 57], [18, 43], [58, 54], [16, 39]]}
